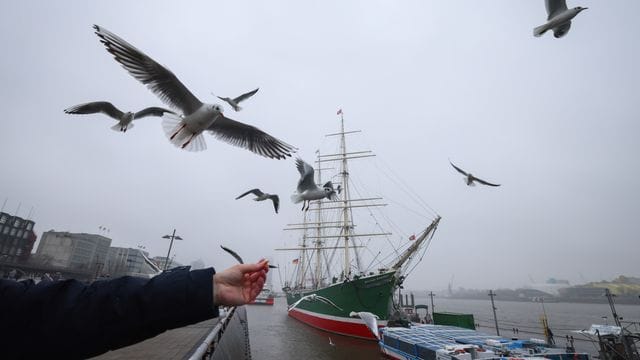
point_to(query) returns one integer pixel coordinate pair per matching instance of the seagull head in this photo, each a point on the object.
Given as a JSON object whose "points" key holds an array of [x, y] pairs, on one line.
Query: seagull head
{"points": [[216, 108], [329, 193], [580, 8]]}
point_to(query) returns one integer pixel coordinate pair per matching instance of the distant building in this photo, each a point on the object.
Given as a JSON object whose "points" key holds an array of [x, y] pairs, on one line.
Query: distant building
{"points": [[557, 281], [551, 286], [127, 261], [161, 260], [16, 238], [73, 251], [582, 292]]}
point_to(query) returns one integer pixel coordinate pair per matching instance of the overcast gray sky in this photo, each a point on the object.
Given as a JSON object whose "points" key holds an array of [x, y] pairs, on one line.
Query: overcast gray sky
{"points": [[553, 120]]}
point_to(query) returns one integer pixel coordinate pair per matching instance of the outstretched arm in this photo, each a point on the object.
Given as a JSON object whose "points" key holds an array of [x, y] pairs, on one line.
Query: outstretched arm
{"points": [[73, 320]]}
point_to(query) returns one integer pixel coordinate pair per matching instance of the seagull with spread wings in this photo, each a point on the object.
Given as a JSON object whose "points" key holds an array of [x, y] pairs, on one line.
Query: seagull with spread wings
{"points": [[371, 320], [558, 19], [470, 179], [260, 196], [307, 189], [186, 131], [236, 101], [238, 258], [125, 119]]}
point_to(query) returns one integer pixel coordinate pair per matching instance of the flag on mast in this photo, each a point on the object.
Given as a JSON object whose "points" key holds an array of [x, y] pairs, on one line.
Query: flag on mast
{"points": [[339, 112], [295, 261], [412, 237]]}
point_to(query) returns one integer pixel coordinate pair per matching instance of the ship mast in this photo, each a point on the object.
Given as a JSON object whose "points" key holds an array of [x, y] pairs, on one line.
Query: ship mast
{"points": [[345, 210], [344, 224], [303, 253], [318, 242], [346, 204]]}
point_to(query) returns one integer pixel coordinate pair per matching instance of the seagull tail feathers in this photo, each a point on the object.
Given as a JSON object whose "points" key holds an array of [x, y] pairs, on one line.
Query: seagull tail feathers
{"points": [[118, 127], [296, 198], [537, 32], [179, 135]]}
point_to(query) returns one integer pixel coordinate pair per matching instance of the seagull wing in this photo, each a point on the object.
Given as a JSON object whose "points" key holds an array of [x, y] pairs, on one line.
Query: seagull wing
{"points": [[484, 182], [245, 96], [255, 192], [104, 107], [370, 320], [306, 181], [233, 253], [457, 168], [152, 111], [224, 99], [150, 263], [562, 30], [157, 78], [250, 138], [276, 202], [554, 7]]}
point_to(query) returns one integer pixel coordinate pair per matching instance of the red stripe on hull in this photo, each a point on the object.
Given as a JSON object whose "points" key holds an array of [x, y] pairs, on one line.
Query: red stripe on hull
{"points": [[334, 326]]}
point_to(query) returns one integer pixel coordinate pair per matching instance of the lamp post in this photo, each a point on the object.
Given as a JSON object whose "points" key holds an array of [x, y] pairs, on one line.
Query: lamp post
{"points": [[172, 237]]}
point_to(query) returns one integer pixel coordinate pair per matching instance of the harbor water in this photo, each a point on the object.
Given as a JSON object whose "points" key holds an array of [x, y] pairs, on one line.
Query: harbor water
{"points": [[274, 335]]}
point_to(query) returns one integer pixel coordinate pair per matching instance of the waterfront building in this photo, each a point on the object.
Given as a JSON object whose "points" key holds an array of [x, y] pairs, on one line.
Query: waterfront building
{"points": [[72, 250], [16, 238], [127, 262], [161, 260]]}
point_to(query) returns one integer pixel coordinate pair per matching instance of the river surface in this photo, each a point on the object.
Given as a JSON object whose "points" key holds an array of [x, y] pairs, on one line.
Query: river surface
{"points": [[274, 335]]}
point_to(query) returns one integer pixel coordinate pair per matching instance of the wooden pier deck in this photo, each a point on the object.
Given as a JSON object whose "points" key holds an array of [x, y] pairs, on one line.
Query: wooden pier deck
{"points": [[204, 340]]}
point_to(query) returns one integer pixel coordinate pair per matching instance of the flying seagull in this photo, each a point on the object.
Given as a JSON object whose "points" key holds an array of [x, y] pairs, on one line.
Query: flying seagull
{"points": [[186, 131], [369, 319], [233, 253], [237, 257], [314, 297], [559, 18], [125, 119], [307, 189], [235, 101], [470, 179], [260, 196]]}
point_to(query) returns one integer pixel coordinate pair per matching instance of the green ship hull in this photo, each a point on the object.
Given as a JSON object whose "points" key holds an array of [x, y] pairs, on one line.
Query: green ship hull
{"points": [[372, 294]]}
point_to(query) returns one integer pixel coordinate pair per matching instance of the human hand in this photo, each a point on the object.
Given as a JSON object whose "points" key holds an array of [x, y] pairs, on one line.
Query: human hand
{"points": [[239, 284]]}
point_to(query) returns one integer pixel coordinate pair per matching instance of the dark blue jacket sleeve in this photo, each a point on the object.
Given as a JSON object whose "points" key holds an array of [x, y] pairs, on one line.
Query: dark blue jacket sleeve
{"points": [[68, 319]]}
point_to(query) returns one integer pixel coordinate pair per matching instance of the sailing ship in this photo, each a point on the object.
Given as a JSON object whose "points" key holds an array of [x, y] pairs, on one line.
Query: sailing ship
{"points": [[329, 266]]}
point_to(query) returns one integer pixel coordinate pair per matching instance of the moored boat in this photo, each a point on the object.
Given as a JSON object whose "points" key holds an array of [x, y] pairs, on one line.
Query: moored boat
{"points": [[441, 342], [265, 297]]}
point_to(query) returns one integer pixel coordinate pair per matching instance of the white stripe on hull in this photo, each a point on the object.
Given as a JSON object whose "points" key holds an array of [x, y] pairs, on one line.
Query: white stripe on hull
{"points": [[337, 318]]}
